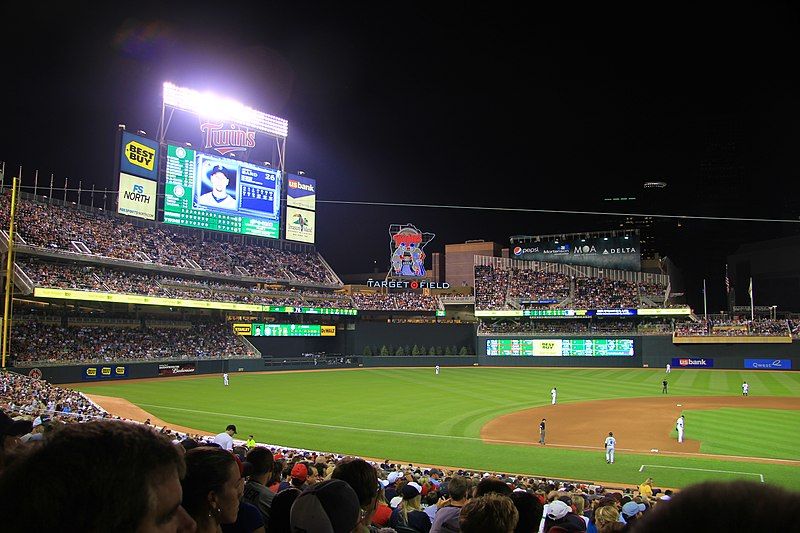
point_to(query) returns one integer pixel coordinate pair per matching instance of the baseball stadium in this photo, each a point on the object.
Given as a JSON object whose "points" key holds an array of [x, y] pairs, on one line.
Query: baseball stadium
{"points": [[192, 298]]}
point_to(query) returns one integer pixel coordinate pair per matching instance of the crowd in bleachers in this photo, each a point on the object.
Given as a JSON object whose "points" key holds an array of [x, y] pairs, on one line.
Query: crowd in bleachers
{"points": [[605, 326], [51, 468], [106, 279], [601, 293], [395, 301], [515, 288], [537, 285], [735, 327], [55, 227], [33, 342]]}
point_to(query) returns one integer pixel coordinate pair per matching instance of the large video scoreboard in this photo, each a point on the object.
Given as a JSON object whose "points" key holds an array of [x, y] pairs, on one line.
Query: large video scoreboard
{"points": [[215, 193], [560, 347]]}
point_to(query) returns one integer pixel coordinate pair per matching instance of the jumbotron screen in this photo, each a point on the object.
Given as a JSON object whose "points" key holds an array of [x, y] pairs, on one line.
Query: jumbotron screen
{"points": [[560, 347], [215, 193], [292, 330]]}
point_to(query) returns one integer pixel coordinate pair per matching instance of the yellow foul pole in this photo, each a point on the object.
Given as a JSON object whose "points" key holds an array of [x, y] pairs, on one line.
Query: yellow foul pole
{"points": [[9, 273]]}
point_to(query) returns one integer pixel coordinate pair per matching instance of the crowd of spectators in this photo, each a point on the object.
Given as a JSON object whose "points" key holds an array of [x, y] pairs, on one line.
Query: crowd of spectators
{"points": [[500, 288], [33, 342], [735, 327], [107, 279], [56, 227], [536, 285], [602, 293], [395, 301], [25, 396]]}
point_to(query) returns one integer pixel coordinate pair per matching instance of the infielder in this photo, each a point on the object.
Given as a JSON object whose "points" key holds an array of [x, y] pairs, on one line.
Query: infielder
{"points": [[610, 443], [225, 378], [669, 368], [664, 387], [437, 370], [541, 431], [553, 394], [745, 389], [679, 427]]}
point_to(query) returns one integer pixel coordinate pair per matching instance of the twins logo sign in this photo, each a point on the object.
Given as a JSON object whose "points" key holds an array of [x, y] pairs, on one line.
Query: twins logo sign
{"points": [[407, 243]]}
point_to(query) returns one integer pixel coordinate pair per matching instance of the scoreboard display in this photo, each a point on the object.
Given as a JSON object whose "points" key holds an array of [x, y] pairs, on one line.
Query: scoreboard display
{"points": [[560, 347], [215, 193], [292, 330]]}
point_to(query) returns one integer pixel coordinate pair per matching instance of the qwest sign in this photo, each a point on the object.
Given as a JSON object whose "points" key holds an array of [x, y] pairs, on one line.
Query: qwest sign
{"points": [[768, 364]]}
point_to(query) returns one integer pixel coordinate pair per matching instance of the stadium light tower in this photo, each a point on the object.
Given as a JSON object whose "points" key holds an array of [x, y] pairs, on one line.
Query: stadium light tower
{"points": [[211, 106]]}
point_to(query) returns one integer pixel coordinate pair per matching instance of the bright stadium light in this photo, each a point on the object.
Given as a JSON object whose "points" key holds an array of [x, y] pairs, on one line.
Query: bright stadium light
{"points": [[208, 105]]}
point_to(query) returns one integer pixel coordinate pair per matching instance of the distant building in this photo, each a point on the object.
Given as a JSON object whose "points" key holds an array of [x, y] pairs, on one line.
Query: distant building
{"points": [[460, 262]]}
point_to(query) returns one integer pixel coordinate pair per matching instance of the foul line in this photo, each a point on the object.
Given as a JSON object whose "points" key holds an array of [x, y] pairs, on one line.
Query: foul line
{"points": [[435, 436], [641, 469]]}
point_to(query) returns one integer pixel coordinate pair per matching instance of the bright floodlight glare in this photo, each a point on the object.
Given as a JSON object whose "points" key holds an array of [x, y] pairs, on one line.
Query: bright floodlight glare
{"points": [[207, 105]]}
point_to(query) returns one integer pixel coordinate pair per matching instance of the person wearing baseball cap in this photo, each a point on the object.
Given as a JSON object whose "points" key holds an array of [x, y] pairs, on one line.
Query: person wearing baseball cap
{"points": [[218, 195], [409, 512], [327, 507]]}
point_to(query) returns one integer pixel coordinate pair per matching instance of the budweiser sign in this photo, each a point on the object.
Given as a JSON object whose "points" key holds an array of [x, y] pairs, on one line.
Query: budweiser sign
{"points": [[227, 138]]}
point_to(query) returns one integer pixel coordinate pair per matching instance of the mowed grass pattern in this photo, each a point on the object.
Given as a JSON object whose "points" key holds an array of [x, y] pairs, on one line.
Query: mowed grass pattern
{"points": [[413, 416]]}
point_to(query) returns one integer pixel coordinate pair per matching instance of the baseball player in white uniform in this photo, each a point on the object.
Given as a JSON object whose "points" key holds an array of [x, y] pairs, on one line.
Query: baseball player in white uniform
{"points": [[610, 443], [437, 370], [669, 368], [553, 394], [225, 378], [745, 389], [679, 427]]}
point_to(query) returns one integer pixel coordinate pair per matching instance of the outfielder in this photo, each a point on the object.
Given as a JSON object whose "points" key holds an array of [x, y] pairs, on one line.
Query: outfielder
{"points": [[437, 370], [611, 442], [679, 427], [669, 368], [553, 394], [745, 389], [225, 378]]}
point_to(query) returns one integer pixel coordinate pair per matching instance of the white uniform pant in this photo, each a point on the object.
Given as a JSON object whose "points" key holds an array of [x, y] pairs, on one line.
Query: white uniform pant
{"points": [[554, 400], [610, 455], [680, 434]]}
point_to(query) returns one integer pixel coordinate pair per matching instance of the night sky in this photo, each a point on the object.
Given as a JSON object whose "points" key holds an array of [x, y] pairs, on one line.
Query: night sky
{"points": [[444, 105]]}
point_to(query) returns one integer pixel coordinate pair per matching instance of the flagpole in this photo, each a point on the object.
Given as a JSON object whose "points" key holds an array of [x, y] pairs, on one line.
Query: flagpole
{"points": [[705, 301], [752, 307]]}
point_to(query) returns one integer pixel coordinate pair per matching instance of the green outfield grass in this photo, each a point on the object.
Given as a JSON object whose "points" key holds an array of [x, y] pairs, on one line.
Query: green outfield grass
{"points": [[414, 416]]}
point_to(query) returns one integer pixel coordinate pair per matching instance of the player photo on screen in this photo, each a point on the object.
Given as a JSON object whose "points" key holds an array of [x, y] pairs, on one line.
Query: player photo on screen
{"points": [[217, 186]]}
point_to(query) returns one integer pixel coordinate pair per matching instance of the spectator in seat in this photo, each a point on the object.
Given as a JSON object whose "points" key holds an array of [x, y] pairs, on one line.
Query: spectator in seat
{"points": [[225, 439], [409, 512], [607, 519], [724, 506], [280, 510], [97, 476], [492, 513], [450, 508], [212, 487], [530, 511], [560, 514], [330, 506], [363, 479], [492, 484], [255, 490]]}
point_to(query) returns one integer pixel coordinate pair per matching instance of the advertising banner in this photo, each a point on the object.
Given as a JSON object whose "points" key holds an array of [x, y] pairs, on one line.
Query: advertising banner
{"points": [[137, 197], [176, 369], [104, 372], [768, 364], [301, 192], [618, 253], [300, 225], [689, 362], [241, 329], [139, 156]]}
